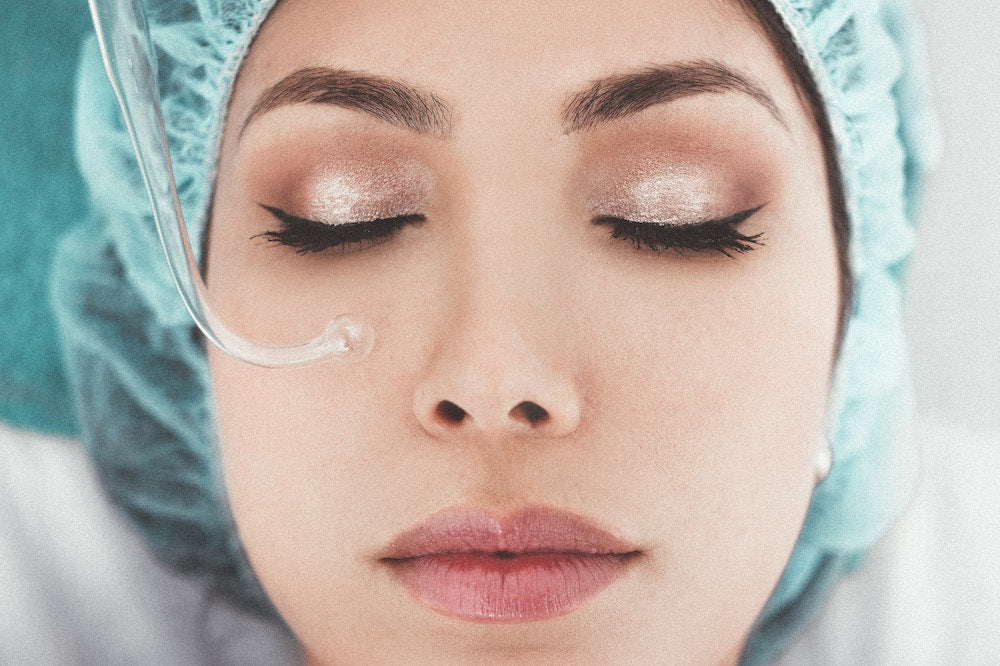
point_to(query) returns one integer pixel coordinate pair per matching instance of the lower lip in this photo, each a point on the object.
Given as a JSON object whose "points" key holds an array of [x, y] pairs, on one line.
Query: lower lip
{"points": [[485, 587]]}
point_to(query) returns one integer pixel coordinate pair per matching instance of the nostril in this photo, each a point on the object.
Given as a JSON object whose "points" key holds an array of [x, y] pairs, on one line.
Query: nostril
{"points": [[449, 412], [530, 412]]}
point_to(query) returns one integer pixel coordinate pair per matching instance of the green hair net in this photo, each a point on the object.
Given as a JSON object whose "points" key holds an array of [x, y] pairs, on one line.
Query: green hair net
{"points": [[139, 375]]}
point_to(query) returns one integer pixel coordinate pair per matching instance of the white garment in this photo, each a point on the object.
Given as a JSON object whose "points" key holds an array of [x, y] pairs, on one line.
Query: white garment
{"points": [[78, 586], [929, 592]]}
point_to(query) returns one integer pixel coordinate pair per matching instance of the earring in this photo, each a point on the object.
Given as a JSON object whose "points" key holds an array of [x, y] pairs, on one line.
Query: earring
{"points": [[824, 461]]}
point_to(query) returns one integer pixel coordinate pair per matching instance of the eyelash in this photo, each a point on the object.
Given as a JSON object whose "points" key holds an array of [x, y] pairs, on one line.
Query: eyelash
{"points": [[310, 237], [720, 235]]}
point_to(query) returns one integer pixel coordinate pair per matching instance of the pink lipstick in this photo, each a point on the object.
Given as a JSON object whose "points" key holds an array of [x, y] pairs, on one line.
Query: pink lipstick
{"points": [[532, 565]]}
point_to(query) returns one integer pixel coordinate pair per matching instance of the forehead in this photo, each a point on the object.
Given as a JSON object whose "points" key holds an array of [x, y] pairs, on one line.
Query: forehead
{"points": [[494, 60]]}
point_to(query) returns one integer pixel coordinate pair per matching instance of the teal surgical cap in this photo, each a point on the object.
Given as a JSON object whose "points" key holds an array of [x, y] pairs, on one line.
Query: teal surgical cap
{"points": [[139, 377]]}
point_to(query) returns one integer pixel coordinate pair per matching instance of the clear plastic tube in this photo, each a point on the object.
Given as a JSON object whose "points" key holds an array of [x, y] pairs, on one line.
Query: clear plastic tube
{"points": [[127, 52]]}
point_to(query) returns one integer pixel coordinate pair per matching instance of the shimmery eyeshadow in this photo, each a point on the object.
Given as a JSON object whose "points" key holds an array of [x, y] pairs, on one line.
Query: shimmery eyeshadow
{"points": [[357, 191], [660, 193], [680, 171]]}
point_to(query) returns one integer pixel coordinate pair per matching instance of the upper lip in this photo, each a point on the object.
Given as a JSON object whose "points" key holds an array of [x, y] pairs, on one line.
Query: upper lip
{"points": [[533, 529]]}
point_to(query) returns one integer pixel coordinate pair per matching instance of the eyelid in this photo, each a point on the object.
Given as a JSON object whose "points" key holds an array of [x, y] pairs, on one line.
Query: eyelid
{"points": [[311, 237], [288, 218], [720, 235], [663, 182], [337, 185], [729, 220]]}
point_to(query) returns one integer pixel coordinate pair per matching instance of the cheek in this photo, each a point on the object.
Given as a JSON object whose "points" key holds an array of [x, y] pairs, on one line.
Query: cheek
{"points": [[322, 469], [290, 447], [728, 391], [718, 382]]}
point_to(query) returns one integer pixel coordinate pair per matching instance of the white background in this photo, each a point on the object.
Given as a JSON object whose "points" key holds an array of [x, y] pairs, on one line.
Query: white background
{"points": [[953, 306]]}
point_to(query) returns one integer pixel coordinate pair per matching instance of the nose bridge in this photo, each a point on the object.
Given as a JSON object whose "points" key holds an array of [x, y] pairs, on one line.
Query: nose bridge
{"points": [[501, 364], [503, 267], [501, 292]]}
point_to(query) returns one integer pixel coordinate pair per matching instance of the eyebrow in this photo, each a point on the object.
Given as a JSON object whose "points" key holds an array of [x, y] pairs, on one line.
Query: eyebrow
{"points": [[618, 96], [604, 100], [388, 99]]}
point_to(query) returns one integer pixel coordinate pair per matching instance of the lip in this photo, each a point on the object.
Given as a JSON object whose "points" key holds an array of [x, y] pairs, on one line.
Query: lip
{"points": [[530, 565]]}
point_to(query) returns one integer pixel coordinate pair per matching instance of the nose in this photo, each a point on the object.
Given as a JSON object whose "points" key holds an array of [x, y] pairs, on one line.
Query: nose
{"points": [[486, 379], [505, 362]]}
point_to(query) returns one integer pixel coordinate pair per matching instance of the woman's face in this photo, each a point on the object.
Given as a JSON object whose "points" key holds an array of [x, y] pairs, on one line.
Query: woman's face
{"points": [[605, 302]]}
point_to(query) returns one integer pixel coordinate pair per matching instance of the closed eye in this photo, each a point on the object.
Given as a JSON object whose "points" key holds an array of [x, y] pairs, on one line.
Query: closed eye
{"points": [[718, 235], [311, 237]]}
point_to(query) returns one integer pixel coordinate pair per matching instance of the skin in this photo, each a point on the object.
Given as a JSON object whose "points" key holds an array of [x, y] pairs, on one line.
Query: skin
{"points": [[685, 393]]}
